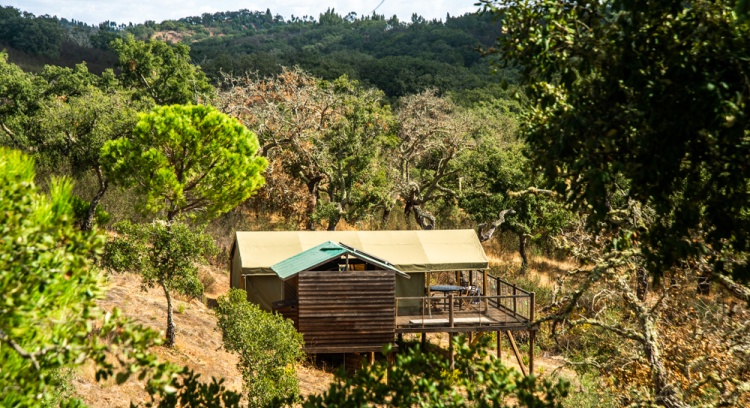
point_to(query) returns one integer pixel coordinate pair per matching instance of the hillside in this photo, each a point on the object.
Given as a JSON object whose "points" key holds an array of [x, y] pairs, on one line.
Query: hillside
{"points": [[400, 58], [199, 344]]}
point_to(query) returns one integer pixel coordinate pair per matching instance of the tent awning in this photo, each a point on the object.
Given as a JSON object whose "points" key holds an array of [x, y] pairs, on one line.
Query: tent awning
{"points": [[407, 251]]}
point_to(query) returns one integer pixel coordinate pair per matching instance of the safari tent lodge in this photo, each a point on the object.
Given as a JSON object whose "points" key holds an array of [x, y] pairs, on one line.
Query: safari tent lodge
{"points": [[356, 291]]}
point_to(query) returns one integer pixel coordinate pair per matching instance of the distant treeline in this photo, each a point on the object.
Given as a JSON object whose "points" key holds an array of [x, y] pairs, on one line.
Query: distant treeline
{"points": [[395, 56]]}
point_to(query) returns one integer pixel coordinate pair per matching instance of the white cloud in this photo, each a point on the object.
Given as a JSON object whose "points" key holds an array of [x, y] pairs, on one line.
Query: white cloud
{"points": [[138, 11]]}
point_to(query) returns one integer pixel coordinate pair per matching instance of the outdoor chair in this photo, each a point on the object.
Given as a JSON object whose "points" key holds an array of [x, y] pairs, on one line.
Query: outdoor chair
{"points": [[469, 298]]}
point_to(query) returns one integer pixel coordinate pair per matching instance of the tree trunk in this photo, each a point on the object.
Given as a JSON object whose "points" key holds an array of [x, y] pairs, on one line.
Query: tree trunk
{"points": [[425, 220], [312, 203], [704, 285], [489, 232], [408, 208], [88, 223], [666, 394], [736, 289], [522, 251], [333, 219], [641, 284], [386, 215], [170, 321]]}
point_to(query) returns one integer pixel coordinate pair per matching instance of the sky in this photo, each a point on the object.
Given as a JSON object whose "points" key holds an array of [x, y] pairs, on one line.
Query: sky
{"points": [[138, 11]]}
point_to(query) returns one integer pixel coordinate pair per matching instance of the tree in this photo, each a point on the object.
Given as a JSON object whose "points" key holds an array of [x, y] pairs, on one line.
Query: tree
{"points": [[323, 136], [432, 134], [49, 320], [650, 99], [268, 347], [638, 115], [47, 280], [500, 195], [160, 72], [183, 160], [20, 93], [165, 255], [425, 379], [286, 111], [671, 348], [351, 150], [186, 159], [76, 129]]}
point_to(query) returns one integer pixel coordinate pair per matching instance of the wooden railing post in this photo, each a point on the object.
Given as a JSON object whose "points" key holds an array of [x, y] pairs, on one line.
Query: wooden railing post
{"points": [[450, 309], [485, 290], [515, 301], [532, 299], [532, 332]]}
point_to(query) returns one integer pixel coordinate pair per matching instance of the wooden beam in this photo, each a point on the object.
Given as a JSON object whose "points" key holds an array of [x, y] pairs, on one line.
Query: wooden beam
{"points": [[515, 351]]}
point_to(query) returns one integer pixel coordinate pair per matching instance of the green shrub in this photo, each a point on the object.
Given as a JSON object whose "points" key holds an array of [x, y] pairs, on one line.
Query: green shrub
{"points": [[81, 210], [426, 380], [268, 347]]}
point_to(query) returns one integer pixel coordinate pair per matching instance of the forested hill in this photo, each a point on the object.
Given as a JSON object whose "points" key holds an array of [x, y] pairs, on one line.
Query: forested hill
{"points": [[395, 56]]}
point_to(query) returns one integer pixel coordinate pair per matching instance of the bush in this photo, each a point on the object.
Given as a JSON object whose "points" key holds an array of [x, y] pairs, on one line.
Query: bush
{"points": [[268, 346], [81, 209]]}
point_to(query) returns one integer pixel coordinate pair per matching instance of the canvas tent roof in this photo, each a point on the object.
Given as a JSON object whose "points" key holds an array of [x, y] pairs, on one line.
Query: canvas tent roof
{"points": [[408, 251], [321, 254]]}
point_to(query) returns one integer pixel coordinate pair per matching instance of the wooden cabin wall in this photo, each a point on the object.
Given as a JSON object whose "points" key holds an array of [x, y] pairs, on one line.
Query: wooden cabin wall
{"points": [[290, 288], [347, 310]]}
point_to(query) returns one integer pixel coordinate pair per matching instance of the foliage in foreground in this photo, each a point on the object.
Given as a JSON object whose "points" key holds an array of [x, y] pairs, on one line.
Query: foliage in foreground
{"points": [[639, 116], [268, 347], [425, 379], [648, 100], [49, 320]]}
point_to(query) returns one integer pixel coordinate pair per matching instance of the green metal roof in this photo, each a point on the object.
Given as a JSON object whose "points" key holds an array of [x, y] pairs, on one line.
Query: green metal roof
{"points": [[323, 253]]}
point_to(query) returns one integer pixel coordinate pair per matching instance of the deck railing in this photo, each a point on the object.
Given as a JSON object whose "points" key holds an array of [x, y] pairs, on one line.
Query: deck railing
{"points": [[474, 311], [510, 297]]}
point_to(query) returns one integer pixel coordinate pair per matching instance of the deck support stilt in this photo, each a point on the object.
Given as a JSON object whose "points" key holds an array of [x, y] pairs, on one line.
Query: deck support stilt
{"points": [[450, 335], [515, 351], [451, 351], [532, 334], [424, 341], [389, 359], [499, 344]]}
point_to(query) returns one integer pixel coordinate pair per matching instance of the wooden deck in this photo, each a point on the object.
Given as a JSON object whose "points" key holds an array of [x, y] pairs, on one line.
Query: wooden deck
{"points": [[457, 314]]}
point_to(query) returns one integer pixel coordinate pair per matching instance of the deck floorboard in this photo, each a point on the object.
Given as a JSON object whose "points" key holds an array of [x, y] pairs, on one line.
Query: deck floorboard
{"points": [[464, 320]]}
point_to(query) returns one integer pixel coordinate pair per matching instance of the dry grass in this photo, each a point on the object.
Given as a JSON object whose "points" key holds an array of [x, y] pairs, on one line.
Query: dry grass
{"points": [[198, 343], [505, 260]]}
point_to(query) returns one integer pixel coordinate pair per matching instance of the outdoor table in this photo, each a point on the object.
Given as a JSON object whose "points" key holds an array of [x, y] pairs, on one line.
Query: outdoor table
{"points": [[446, 290]]}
